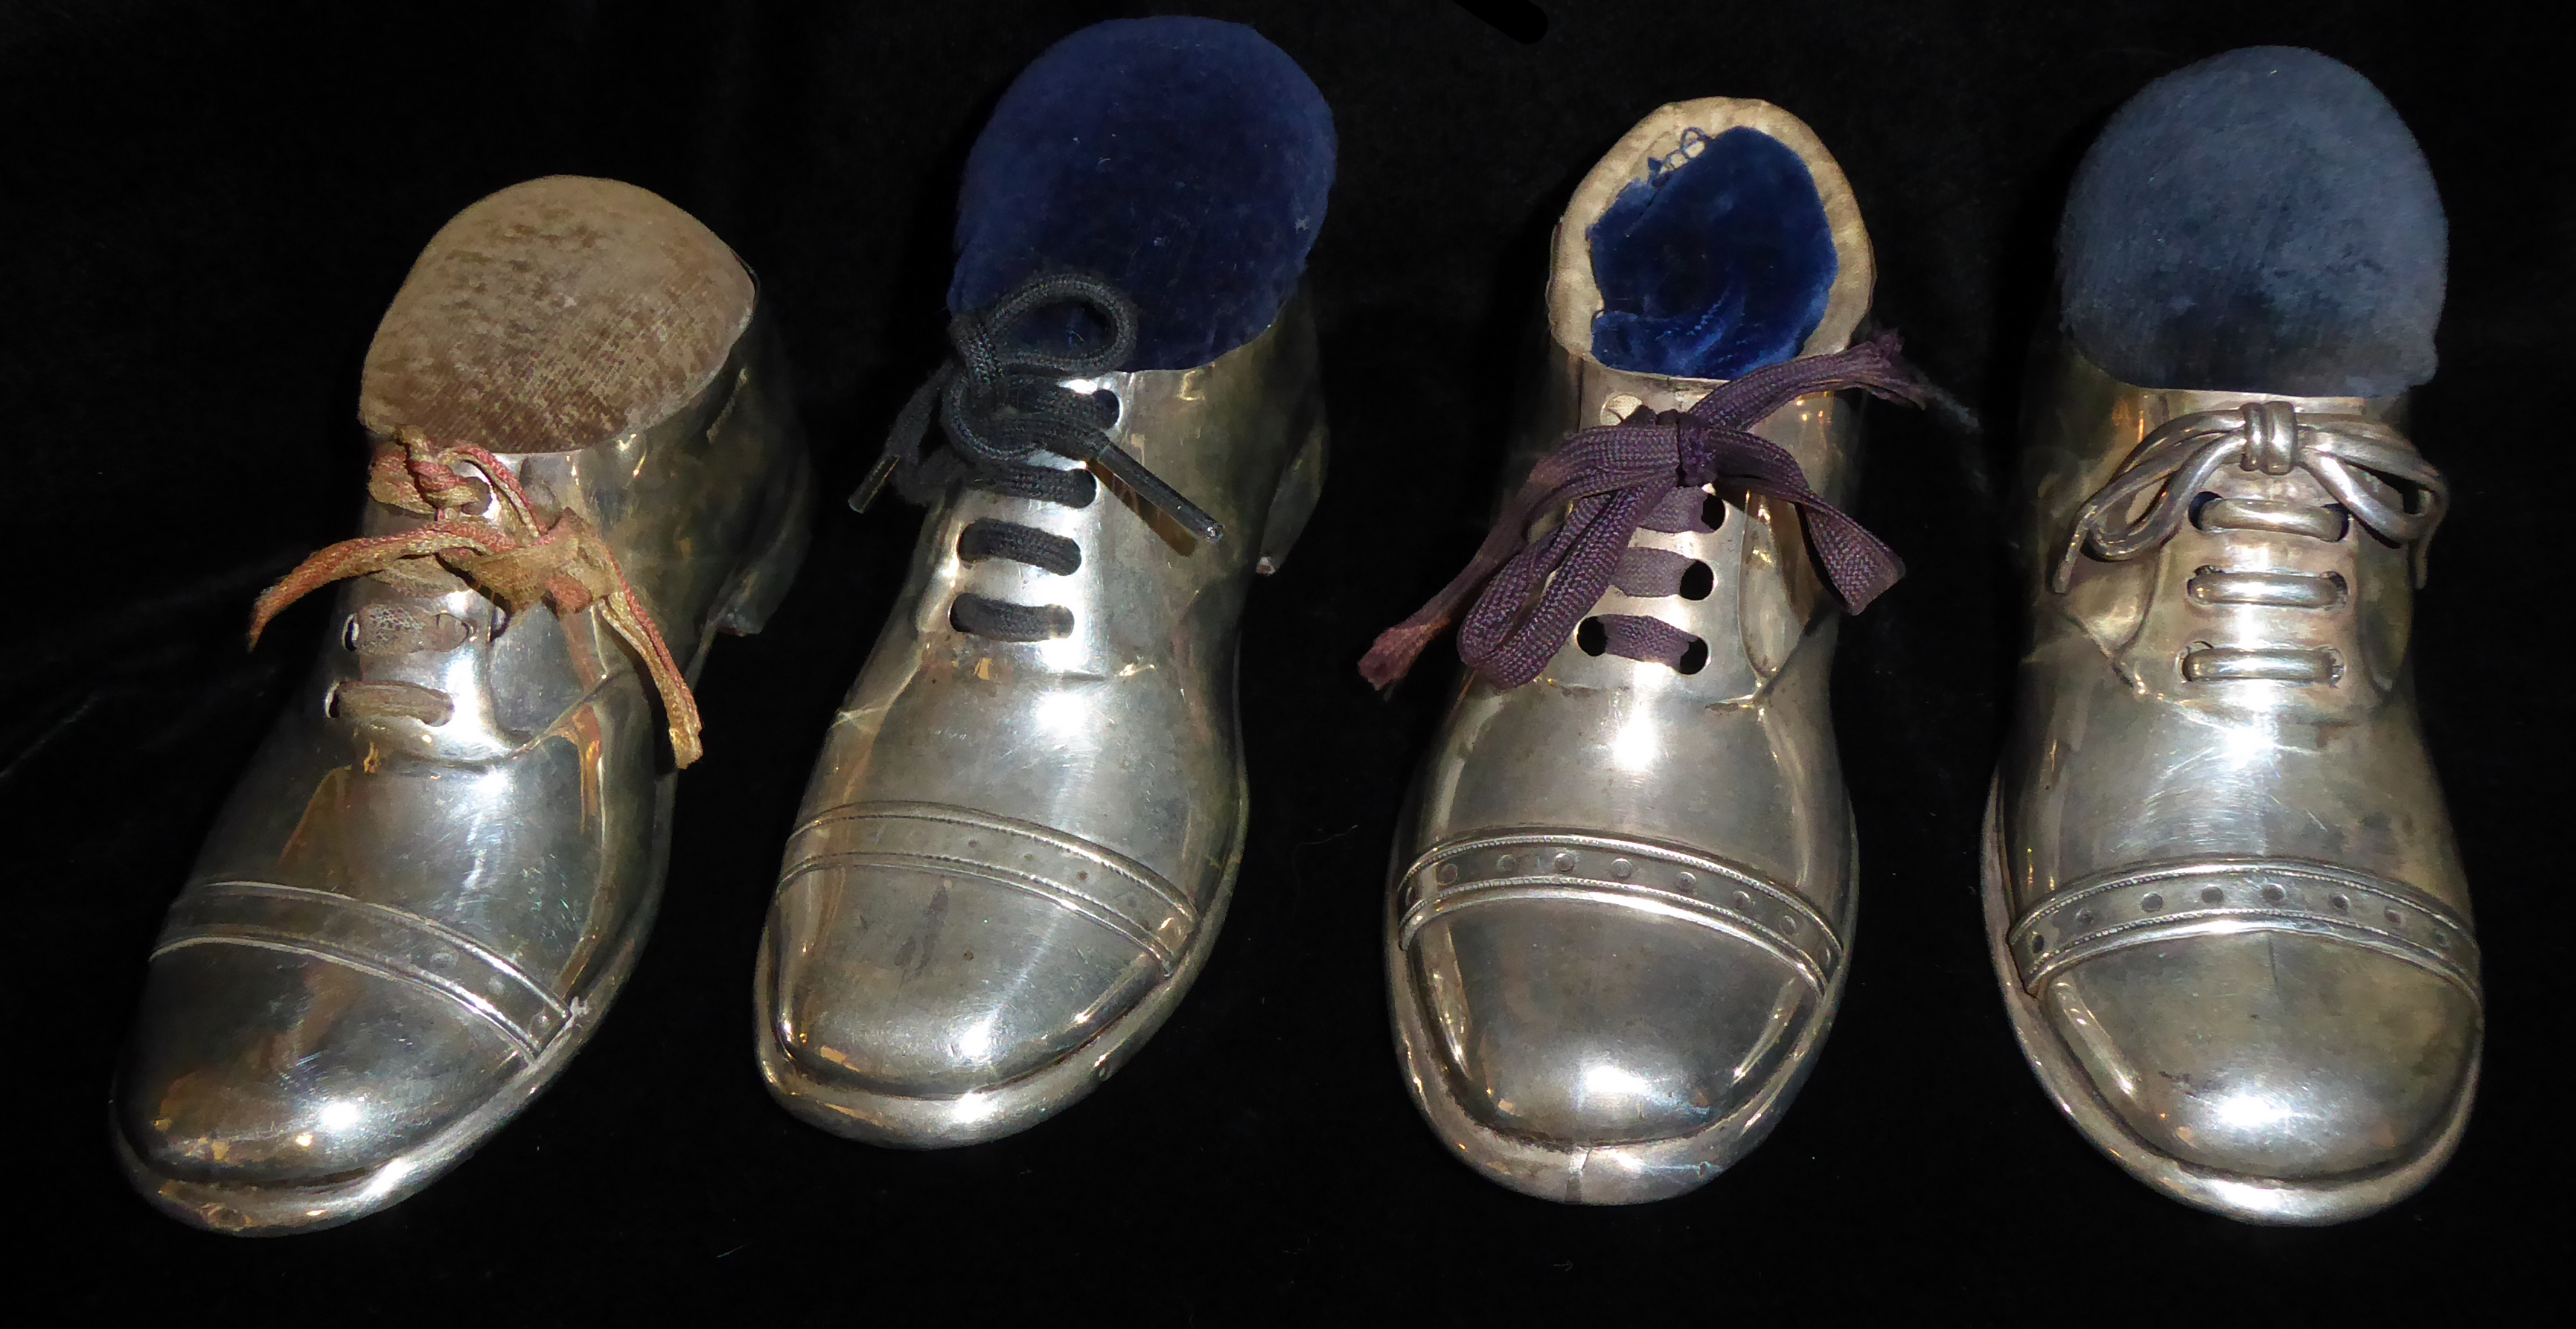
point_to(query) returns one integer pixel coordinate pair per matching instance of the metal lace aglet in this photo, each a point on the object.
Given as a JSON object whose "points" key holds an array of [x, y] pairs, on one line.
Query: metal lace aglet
{"points": [[875, 484], [1132, 473]]}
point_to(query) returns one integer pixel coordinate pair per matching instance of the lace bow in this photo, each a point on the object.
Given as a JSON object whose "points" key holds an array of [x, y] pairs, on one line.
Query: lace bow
{"points": [[2354, 457], [518, 557], [1608, 480]]}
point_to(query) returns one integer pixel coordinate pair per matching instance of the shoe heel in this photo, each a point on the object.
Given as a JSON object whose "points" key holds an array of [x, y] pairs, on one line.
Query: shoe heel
{"points": [[1293, 502], [763, 582]]}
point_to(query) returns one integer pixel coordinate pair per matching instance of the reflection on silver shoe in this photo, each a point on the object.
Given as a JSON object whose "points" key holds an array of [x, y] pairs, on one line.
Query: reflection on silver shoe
{"points": [[438, 870], [2224, 900], [1025, 823], [1622, 896]]}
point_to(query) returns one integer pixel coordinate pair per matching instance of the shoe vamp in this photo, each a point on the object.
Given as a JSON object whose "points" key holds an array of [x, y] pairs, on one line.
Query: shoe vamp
{"points": [[539, 857], [1756, 785], [2104, 778], [1142, 763]]}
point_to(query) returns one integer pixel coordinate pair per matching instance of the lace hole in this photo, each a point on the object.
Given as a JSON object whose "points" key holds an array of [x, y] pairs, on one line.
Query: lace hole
{"points": [[2200, 503], [1697, 581], [1712, 512], [1694, 657], [1591, 637], [349, 634]]}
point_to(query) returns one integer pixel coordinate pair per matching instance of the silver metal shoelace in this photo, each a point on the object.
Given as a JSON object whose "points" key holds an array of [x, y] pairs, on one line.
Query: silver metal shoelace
{"points": [[2375, 476]]}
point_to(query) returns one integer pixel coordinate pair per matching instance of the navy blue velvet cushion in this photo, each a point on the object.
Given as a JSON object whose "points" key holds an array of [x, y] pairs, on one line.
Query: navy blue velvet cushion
{"points": [[1184, 159], [1714, 267], [2259, 221]]}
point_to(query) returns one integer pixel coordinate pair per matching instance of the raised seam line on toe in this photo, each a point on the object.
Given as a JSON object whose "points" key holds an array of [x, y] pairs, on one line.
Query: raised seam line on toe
{"points": [[388, 942]]}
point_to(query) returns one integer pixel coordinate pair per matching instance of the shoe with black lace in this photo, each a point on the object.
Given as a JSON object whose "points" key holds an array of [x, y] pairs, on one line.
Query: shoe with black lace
{"points": [[1025, 824]]}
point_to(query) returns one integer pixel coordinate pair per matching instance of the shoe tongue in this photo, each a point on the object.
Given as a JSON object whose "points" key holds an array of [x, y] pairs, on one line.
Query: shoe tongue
{"points": [[1716, 238]]}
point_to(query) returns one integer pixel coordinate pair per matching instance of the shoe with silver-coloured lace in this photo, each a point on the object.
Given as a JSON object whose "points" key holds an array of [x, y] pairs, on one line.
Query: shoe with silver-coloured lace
{"points": [[2226, 906], [1622, 898], [2227, 913]]}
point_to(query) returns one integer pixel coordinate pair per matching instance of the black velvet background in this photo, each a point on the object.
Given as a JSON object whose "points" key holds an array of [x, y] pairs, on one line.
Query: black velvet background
{"points": [[204, 207]]}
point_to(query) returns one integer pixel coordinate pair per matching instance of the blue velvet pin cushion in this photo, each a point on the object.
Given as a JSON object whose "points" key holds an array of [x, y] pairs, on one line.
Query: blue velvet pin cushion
{"points": [[1716, 266], [1186, 160], [2260, 221]]}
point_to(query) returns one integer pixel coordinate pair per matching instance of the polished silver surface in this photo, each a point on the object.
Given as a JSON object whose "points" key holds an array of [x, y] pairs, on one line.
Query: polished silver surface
{"points": [[1014, 856], [2224, 899], [1622, 895], [412, 912]]}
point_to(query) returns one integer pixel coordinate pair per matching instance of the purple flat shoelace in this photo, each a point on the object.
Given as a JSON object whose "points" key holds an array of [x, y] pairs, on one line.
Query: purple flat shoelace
{"points": [[1617, 477]]}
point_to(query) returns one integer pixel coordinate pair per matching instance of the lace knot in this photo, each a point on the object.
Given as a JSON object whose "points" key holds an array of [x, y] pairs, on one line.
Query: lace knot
{"points": [[519, 557], [2368, 468], [2271, 437], [1002, 398]]}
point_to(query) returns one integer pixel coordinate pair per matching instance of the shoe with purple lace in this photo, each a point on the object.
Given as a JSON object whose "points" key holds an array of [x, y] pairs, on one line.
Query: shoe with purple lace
{"points": [[1622, 896]]}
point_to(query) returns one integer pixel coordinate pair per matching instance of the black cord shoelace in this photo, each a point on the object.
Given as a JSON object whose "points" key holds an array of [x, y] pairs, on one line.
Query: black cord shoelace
{"points": [[1000, 400]]}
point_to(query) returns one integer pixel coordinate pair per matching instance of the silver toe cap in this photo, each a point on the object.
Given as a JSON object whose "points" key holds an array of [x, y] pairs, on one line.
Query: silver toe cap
{"points": [[2270, 1054], [254, 1067], [927, 984], [1584, 1025]]}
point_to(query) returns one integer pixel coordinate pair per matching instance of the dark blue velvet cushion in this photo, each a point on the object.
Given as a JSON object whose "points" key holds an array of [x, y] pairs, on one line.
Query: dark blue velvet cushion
{"points": [[1184, 159], [2259, 221], [1714, 267]]}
